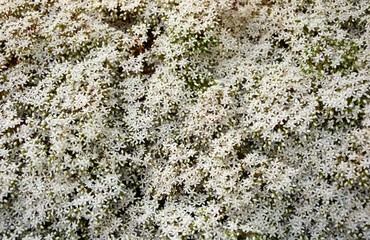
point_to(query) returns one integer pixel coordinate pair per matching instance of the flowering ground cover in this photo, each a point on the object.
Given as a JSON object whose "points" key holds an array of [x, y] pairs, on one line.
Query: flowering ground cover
{"points": [[185, 119]]}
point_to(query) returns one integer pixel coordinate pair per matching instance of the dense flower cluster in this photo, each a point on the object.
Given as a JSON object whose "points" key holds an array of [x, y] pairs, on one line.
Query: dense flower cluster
{"points": [[185, 119]]}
